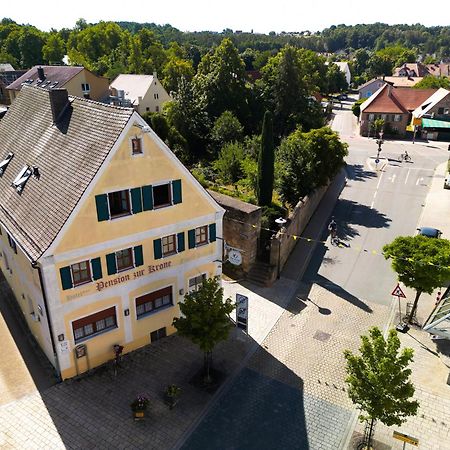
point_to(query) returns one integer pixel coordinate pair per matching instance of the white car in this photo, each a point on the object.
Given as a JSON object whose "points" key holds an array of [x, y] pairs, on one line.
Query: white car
{"points": [[447, 182]]}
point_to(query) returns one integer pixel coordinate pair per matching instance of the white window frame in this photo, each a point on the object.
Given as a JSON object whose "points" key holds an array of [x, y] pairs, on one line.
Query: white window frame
{"points": [[194, 287]]}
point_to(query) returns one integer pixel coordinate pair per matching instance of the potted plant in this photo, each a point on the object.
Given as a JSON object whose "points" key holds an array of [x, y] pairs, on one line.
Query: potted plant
{"points": [[172, 395], [139, 406]]}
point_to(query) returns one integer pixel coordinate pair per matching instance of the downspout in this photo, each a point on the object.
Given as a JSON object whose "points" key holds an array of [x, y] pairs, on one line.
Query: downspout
{"points": [[35, 265]]}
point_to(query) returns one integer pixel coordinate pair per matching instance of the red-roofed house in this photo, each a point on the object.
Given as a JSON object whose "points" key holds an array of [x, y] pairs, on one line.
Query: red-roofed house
{"points": [[394, 106]]}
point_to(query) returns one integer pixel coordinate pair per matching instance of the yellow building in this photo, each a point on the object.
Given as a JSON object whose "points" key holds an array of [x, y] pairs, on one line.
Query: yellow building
{"points": [[103, 230], [77, 80]]}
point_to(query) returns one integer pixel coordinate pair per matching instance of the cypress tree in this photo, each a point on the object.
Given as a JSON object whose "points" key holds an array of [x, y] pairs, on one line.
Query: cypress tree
{"points": [[266, 160]]}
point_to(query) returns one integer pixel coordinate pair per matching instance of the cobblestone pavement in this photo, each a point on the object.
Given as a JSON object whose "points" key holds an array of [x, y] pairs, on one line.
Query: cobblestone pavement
{"points": [[291, 393], [432, 423], [94, 412]]}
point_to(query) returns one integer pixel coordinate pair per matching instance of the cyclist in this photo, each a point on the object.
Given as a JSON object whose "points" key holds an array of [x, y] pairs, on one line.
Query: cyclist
{"points": [[332, 228]]}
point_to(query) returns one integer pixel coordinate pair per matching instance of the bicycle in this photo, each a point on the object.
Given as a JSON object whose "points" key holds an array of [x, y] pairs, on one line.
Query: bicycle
{"points": [[405, 157], [334, 238]]}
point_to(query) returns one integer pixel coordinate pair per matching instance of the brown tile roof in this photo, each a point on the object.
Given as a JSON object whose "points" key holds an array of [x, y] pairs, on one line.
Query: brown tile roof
{"points": [[68, 156], [61, 74], [439, 70], [397, 100], [414, 69], [228, 202]]}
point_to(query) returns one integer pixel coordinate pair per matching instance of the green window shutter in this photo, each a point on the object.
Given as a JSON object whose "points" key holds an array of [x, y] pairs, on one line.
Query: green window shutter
{"points": [[136, 200], [191, 238], [180, 239], [212, 232], [157, 248], [101, 202], [138, 256], [66, 277], [96, 268], [147, 197], [111, 263], [176, 191]]}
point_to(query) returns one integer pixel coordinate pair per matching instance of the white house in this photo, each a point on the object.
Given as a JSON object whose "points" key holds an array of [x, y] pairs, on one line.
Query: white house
{"points": [[144, 92]]}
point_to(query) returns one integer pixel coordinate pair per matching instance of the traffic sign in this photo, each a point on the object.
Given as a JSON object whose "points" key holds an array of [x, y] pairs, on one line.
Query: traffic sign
{"points": [[241, 311], [397, 292], [377, 161], [405, 438]]}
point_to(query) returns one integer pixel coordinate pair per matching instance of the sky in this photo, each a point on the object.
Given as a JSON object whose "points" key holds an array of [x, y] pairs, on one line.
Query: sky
{"points": [[246, 15]]}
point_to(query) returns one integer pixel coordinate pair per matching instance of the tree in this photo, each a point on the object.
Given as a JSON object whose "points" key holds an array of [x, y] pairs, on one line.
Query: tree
{"points": [[174, 70], [421, 263], [307, 161], [229, 162], [378, 379], [226, 128], [266, 161], [334, 80], [431, 82], [356, 107], [205, 318], [221, 78], [54, 49]]}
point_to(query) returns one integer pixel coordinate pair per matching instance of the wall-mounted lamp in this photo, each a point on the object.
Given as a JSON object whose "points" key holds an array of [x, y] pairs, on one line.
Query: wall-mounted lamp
{"points": [[126, 312], [60, 337], [181, 291]]}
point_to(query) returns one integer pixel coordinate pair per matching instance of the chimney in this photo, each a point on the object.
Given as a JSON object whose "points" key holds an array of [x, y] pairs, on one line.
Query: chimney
{"points": [[41, 74], [389, 92], [59, 99]]}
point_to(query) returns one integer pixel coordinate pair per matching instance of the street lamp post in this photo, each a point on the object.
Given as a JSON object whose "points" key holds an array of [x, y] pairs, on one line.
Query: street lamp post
{"points": [[280, 222], [379, 142]]}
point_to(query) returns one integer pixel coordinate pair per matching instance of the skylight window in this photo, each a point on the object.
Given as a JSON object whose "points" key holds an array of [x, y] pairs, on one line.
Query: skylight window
{"points": [[22, 178], [5, 162]]}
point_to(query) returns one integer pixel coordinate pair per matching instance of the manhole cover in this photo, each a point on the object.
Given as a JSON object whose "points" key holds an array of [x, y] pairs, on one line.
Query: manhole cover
{"points": [[321, 336]]}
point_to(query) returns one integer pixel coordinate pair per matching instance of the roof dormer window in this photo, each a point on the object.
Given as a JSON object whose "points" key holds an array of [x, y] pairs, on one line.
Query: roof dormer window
{"points": [[5, 162], [22, 178]]}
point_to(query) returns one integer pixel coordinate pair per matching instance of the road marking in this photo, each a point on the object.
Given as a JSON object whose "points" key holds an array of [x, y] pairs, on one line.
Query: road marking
{"points": [[376, 190], [407, 175], [419, 180], [394, 176]]}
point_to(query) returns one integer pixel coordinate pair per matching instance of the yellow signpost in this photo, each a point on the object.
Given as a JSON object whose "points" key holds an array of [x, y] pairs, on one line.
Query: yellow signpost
{"points": [[406, 439]]}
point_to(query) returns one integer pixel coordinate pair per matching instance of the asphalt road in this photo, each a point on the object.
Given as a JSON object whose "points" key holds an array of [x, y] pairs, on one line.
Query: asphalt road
{"points": [[380, 202]]}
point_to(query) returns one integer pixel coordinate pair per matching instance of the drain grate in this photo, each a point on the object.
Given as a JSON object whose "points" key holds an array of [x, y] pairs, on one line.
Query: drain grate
{"points": [[321, 336]]}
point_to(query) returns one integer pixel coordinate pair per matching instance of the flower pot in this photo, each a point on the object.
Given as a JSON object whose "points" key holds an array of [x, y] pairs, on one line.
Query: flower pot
{"points": [[139, 414]]}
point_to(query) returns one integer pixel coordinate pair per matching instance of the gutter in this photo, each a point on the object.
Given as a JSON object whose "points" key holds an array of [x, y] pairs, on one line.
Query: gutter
{"points": [[35, 265]]}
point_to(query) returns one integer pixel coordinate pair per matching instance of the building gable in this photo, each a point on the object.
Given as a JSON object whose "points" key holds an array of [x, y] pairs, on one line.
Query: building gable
{"points": [[142, 180]]}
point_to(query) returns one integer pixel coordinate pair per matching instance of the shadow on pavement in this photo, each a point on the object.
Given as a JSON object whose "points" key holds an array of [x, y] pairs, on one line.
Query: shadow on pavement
{"points": [[356, 172], [312, 276], [350, 213], [263, 408]]}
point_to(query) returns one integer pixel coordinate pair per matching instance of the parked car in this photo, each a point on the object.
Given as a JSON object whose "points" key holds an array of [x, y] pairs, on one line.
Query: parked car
{"points": [[429, 232], [342, 97], [447, 182]]}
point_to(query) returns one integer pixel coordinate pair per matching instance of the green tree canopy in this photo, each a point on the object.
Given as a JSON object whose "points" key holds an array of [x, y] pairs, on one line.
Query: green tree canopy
{"points": [[379, 379], [334, 80], [205, 317], [431, 82], [307, 161], [421, 263], [229, 163], [54, 49], [226, 128]]}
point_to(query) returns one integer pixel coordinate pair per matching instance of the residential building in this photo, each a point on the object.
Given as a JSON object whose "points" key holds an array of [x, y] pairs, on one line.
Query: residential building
{"points": [[411, 70], [144, 93], [394, 106], [78, 81], [103, 230], [439, 70], [367, 89], [432, 117]]}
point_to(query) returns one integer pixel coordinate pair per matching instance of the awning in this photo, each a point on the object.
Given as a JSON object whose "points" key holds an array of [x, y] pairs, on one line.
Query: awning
{"points": [[433, 123], [439, 321]]}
